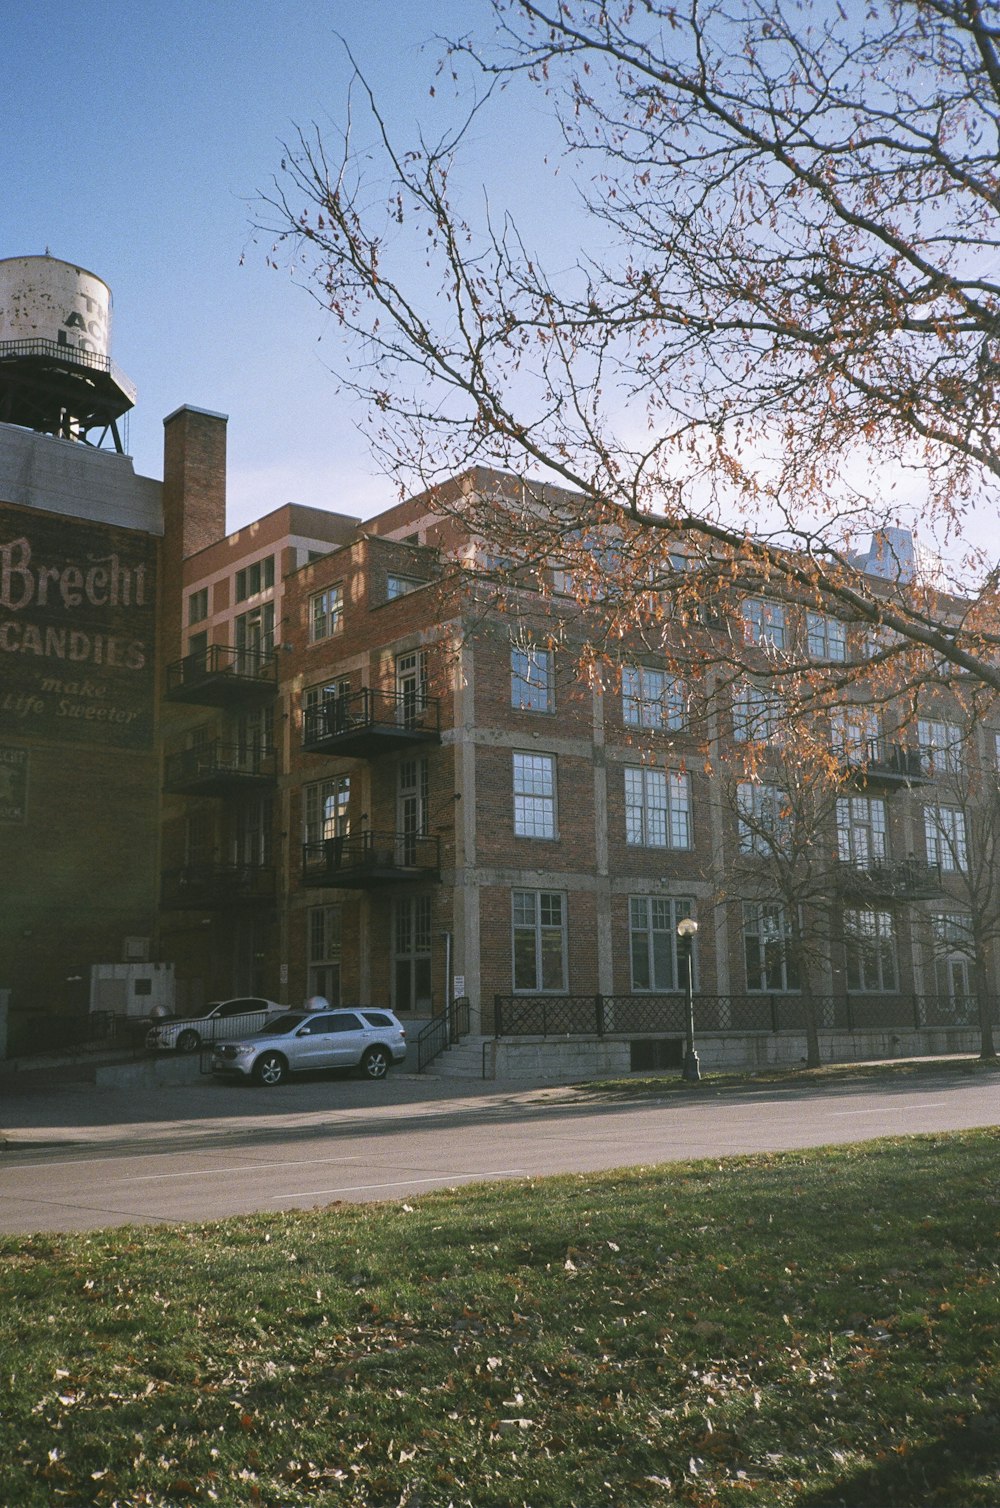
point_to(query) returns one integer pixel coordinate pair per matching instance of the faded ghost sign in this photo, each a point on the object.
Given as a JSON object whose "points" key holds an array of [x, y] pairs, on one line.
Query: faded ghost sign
{"points": [[76, 631]]}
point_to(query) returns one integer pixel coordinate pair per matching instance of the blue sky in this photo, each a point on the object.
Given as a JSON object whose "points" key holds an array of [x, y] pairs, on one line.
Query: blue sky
{"points": [[136, 140]]}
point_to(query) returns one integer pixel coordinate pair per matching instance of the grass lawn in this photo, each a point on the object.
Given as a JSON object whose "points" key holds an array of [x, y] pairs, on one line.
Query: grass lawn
{"points": [[811, 1328]]}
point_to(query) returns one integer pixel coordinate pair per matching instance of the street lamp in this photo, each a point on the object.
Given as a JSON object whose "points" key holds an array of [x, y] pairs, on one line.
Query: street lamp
{"points": [[687, 930]]}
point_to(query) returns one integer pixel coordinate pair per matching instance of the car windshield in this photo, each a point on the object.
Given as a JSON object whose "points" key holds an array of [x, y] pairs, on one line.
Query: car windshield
{"points": [[204, 1010], [279, 1024]]}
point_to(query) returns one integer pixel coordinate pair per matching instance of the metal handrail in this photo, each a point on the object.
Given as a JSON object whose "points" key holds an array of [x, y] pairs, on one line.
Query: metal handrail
{"points": [[75, 355], [367, 709]]}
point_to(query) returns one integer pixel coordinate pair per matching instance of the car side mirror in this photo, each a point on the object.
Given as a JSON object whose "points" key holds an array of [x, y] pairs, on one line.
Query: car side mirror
{"points": [[304, 1031]]}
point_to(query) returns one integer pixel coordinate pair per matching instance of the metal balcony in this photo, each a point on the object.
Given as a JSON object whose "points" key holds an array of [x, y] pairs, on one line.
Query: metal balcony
{"points": [[367, 723], [879, 761], [909, 880], [218, 769], [221, 676], [369, 860], [205, 887]]}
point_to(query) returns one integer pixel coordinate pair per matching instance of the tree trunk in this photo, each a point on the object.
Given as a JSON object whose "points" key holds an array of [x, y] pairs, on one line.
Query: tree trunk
{"points": [[984, 1007]]}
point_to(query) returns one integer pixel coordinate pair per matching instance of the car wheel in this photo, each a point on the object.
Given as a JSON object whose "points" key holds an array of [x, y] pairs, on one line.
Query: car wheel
{"points": [[270, 1069], [188, 1041], [375, 1063]]}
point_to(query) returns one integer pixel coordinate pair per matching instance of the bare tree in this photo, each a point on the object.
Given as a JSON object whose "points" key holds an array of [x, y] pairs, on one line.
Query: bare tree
{"points": [[799, 212]]}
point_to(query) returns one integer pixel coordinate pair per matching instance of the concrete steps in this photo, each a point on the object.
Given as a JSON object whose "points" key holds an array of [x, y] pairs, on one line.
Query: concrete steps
{"points": [[462, 1061]]}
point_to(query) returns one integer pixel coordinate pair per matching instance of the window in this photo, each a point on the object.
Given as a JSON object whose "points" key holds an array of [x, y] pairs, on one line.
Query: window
{"points": [[657, 808], [759, 715], [954, 952], [944, 834], [539, 940], [531, 684], [763, 623], [399, 586], [854, 734], [323, 707], [324, 809], [325, 929], [326, 614], [197, 648], [252, 579], [827, 637], [198, 605], [411, 686], [861, 830], [411, 930], [254, 638], [535, 795], [651, 699], [252, 835], [764, 819], [254, 735], [870, 951], [940, 747], [768, 948], [658, 961]]}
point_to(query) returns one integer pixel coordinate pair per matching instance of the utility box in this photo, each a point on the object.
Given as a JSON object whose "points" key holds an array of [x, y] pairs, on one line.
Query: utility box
{"points": [[132, 989]]}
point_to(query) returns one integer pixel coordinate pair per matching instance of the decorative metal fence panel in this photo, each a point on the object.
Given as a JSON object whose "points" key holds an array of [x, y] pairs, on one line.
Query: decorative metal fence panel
{"points": [[642, 1015]]}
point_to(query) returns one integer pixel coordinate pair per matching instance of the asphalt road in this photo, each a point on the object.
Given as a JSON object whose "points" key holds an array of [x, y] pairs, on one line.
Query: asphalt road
{"points": [[75, 1158]]}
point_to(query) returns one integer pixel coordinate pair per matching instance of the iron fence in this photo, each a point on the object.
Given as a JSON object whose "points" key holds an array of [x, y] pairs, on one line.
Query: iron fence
{"points": [[640, 1015]]}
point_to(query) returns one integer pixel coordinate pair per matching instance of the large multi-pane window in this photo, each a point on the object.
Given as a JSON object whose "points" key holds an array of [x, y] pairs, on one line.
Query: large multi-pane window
{"points": [[411, 686], [657, 808], [954, 952], [326, 613], [827, 637], [658, 961], [254, 637], [539, 940], [764, 818], [324, 809], [411, 933], [940, 746], [325, 927], [870, 950], [198, 605], [759, 714], [854, 734], [768, 948], [251, 579], [251, 839], [861, 830], [651, 698], [763, 623], [535, 795], [324, 707], [944, 835], [531, 683]]}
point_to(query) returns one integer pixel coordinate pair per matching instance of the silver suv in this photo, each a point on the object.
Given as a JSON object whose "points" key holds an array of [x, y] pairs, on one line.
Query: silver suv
{"points": [[364, 1037]]}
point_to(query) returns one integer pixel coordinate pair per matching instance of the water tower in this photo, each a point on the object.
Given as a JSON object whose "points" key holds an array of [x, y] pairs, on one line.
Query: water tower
{"points": [[56, 373]]}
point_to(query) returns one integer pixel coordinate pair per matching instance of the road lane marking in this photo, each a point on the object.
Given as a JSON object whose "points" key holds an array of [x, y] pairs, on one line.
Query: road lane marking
{"points": [[404, 1183], [883, 1109]]}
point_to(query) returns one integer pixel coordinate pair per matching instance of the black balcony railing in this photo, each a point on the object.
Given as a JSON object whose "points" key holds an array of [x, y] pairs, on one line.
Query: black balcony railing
{"points": [[881, 761], [908, 880], [221, 676], [369, 722], [369, 859], [665, 1015], [217, 768], [212, 886]]}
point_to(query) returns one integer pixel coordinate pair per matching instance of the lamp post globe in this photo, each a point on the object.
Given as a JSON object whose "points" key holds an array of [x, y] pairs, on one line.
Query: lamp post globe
{"points": [[687, 931]]}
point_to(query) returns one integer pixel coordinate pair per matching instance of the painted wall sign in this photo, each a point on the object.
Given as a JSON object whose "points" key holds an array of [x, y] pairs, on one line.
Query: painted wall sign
{"points": [[77, 631], [13, 784]]}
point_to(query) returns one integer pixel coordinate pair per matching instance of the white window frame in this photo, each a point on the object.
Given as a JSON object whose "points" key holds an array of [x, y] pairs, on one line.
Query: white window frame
{"points": [[326, 614], [531, 679], [940, 746], [763, 623], [652, 698], [534, 783], [871, 964], [768, 928], [764, 821], [862, 830], [945, 838], [324, 939], [325, 809], [657, 808], [654, 947], [759, 714], [826, 637], [534, 922]]}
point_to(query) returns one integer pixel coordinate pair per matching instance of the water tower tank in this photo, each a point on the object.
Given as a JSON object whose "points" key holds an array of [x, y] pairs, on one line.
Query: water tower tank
{"points": [[56, 373]]}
